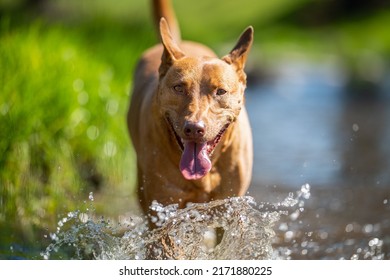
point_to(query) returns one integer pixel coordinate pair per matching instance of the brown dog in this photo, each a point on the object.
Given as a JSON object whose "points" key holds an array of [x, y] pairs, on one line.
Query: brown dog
{"points": [[187, 119]]}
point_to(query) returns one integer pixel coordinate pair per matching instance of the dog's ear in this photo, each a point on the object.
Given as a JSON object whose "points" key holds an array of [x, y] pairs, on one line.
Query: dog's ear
{"points": [[171, 52], [239, 53]]}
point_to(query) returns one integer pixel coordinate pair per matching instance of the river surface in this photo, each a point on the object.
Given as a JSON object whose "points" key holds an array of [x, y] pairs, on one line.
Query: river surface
{"points": [[310, 128]]}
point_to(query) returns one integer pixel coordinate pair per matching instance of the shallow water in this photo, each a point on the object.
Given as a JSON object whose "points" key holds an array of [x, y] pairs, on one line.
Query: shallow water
{"points": [[309, 127], [288, 229], [248, 232]]}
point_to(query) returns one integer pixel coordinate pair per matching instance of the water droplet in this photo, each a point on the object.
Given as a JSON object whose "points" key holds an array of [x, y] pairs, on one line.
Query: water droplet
{"points": [[288, 235], [110, 149], [349, 228], [53, 236], [283, 226], [80, 115], [83, 217], [72, 214], [355, 257], [289, 201], [373, 242], [368, 228], [78, 85], [323, 235], [295, 215], [83, 97], [112, 107], [355, 127], [305, 190]]}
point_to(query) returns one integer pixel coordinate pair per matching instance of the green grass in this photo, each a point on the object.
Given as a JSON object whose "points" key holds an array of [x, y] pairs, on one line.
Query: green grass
{"points": [[64, 96]]}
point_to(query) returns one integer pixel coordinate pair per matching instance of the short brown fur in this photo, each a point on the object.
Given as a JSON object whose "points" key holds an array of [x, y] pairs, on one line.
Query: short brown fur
{"points": [[179, 83]]}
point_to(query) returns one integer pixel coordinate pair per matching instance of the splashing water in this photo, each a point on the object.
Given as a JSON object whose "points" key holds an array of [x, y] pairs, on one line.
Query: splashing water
{"points": [[80, 236], [251, 231], [247, 231], [181, 234]]}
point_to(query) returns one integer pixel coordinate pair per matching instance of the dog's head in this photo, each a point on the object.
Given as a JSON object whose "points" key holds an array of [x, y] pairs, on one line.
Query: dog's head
{"points": [[200, 97]]}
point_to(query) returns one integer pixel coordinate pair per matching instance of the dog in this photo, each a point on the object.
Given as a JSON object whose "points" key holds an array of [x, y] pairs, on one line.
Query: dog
{"points": [[187, 119]]}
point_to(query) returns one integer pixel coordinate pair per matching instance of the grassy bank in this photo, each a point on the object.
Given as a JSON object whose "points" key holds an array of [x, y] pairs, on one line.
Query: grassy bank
{"points": [[64, 96]]}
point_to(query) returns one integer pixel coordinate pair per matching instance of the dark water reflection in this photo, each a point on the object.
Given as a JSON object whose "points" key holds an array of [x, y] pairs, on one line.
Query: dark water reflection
{"points": [[309, 128]]}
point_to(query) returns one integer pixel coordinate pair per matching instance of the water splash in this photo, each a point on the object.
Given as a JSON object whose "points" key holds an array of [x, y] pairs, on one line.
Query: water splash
{"points": [[249, 232]]}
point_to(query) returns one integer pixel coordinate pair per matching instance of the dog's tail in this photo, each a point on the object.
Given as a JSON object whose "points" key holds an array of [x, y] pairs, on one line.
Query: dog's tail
{"points": [[163, 8]]}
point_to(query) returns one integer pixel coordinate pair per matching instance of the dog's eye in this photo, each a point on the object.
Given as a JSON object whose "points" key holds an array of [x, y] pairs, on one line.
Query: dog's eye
{"points": [[221, 91], [179, 88]]}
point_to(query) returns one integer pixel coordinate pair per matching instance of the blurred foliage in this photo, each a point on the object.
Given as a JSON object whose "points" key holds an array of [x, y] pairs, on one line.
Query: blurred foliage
{"points": [[65, 78], [64, 96]]}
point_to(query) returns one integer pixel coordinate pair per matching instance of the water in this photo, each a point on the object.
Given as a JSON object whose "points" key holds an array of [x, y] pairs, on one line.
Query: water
{"points": [[311, 127], [251, 231], [181, 234]]}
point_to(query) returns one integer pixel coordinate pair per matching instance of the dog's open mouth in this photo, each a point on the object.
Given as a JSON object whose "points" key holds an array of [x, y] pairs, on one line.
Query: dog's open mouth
{"points": [[195, 160]]}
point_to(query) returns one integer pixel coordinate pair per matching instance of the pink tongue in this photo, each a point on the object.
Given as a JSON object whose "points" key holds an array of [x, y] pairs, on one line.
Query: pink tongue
{"points": [[194, 163]]}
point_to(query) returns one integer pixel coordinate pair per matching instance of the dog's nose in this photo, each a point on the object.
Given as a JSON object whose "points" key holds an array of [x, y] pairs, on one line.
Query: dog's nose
{"points": [[194, 129]]}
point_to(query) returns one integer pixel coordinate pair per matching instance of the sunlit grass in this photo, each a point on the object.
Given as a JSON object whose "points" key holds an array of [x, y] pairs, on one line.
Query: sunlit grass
{"points": [[64, 96]]}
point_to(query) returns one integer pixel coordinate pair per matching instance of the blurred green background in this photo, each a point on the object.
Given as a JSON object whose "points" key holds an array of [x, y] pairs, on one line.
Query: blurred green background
{"points": [[65, 78]]}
